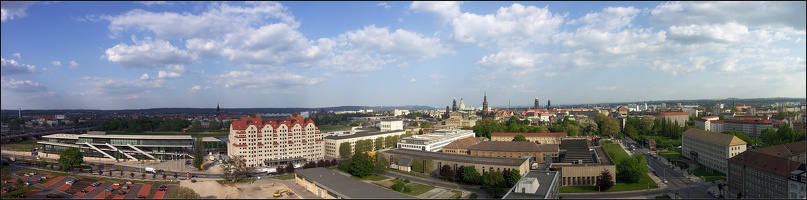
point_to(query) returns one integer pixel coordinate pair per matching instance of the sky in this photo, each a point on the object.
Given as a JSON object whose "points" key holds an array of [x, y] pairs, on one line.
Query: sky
{"points": [[133, 55]]}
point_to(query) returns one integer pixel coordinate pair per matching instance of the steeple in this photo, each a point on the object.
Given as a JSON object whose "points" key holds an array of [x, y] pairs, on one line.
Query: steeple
{"points": [[485, 107], [218, 109], [462, 104], [454, 106]]}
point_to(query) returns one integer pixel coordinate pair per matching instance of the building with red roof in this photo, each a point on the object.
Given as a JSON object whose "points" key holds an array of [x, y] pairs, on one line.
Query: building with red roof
{"points": [[540, 138], [275, 142]]}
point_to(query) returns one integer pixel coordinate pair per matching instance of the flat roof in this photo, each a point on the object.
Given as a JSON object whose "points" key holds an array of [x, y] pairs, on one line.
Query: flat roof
{"points": [[361, 134], [347, 186], [458, 157], [546, 179], [211, 139], [141, 137]]}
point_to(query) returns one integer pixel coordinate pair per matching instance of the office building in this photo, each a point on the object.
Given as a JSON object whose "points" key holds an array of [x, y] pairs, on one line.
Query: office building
{"points": [[431, 162], [751, 127], [332, 143], [275, 142], [434, 141], [120, 147], [581, 163], [391, 125], [711, 149], [674, 117], [794, 151], [796, 183], [756, 175], [504, 149]]}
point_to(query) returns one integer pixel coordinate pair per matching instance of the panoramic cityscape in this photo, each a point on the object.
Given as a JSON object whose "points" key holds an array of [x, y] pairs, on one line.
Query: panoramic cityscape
{"points": [[404, 100]]}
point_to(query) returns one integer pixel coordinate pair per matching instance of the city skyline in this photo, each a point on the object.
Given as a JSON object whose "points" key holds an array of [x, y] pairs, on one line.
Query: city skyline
{"points": [[131, 55]]}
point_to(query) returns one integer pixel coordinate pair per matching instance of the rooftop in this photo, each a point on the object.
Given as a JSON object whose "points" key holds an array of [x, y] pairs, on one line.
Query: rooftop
{"points": [[712, 137], [141, 137], [501, 134], [346, 186], [546, 179], [508, 146], [785, 150], [463, 143], [361, 134], [458, 157], [764, 162]]}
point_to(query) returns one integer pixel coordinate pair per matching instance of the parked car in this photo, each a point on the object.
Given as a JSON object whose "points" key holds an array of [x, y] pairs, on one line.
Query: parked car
{"points": [[121, 192], [109, 190], [84, 191], [162, 188], [53, 195], [128, 183], [141, 197], [69, 182], [125, 187], [96, 184], [116, 184]]}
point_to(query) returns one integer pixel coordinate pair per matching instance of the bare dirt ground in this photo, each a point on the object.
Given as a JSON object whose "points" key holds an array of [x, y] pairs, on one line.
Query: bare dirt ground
{"points": [[261, 189]]}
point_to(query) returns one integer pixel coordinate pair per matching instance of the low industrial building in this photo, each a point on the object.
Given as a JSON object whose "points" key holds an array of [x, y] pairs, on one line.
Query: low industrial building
{"points": [[711, 149], [540, 138], [328, 184], [432, 161], [536, 185], [434, 141], [505, 149], [120, 147]]}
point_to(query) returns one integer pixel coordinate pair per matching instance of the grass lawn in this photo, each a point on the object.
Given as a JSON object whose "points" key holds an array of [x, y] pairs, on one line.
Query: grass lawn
{"points": [[18, 192], [457, 194], [5, 173], [417, 174], [703, 171], [329, 128], [284, 177], [417, 188], [615, 151], [643, 184], [371, 177], [671, 155], [25, 145]]}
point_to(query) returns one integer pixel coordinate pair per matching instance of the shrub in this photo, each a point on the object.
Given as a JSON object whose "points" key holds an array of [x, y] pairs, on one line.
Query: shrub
{"points": [[398, 186], [193, 180], [472, 196], [406, 180], [407, 189]]}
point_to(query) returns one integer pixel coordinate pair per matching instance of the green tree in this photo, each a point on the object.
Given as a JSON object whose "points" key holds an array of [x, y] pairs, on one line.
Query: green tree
{"points": [[71, 158], [184, 193], [379, 143], [631, 169], [520, 138], [417, 165], [361, 165], [388, 142], [605, 181], [413, 124], [344, 150], [512, 177], [381, 164], [425, 125], [470, 175], [751, 141], [608, 125], [198, 152], [492, 183]]}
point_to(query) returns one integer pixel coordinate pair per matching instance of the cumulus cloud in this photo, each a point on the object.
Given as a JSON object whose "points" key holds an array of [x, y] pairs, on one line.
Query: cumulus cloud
{"points": [[121, 88], [149, 53], [412, 80], [384, 5], [445, 9], [10, 10], [514, 26], [10, 67], [28, 88], [56, 63], [165, 74], [18, 55], [74, 64], [784, 14], [610, 18], [264, 80], [514, 63], [195, 88], [219, 19], [144, 77]]}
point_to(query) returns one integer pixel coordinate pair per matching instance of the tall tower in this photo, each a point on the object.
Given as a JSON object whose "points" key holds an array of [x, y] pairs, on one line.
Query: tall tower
{"points": [[537, 104], [454, 105], [462, 104], [218, 110], [485, 107], [548, 104]]}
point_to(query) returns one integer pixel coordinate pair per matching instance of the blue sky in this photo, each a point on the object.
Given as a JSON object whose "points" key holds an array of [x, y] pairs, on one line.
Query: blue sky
{"points": [[131, 55]]}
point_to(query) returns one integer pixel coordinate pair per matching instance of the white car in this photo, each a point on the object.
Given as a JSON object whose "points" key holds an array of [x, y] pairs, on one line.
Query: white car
{"points": [[116, 184], [69, 182], [665, 180]]}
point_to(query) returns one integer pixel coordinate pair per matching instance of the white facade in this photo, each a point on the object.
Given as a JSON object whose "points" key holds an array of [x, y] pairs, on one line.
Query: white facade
{"points": [[796, 185], [711, 149], [391, 125], [434, 141], [332, 143], [400, 112]]}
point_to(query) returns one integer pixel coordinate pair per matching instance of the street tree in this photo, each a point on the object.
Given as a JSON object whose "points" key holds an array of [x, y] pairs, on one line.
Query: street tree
{"points": [[71, 158], [446, 172], [344, 150], [605, 181], [519, 138], [360, 165], [631, 169], [470, 175], [512, 177], [379, 143], [492, 182], [198, 152]]}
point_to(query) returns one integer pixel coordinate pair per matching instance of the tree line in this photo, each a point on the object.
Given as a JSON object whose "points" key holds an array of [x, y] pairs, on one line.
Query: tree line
{"points": [[144, 123], [368, 145], [496, 183]]}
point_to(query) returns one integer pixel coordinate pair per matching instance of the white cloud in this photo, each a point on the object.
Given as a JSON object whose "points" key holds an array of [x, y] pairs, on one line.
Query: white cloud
{"points": [[778, 14], [264, 80], [271, 45], [152, 3], [445, 9], [18, 55], [203, 47], [56, 63], [514, 26], [74, 64], [144, 77], [610, 18], [164, 74], [219, 19], [121, 88], [514, 63], [384, 5], [29, 88], [400, 43], [412, 80], [11, 66], [195, 88], [148, 53], [10, 10]]}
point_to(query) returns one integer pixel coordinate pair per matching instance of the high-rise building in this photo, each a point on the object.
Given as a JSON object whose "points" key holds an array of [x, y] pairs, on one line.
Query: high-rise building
{"points": [[537, 104], [275, 142]]}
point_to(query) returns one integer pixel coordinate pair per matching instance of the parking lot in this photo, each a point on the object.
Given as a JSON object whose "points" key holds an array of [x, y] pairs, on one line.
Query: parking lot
{"points": [[86, 187]]}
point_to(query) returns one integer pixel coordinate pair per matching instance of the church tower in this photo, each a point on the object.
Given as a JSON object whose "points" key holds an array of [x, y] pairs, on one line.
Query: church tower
{"points": [[462, 104], [537, 104], [218, 110], [454, 106], [485, 107]]}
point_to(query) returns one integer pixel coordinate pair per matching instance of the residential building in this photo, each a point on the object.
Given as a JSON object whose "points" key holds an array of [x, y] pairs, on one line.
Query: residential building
{"points": [[716, 126], [674, 117], [434, 141], [432, 161], [397, 112], [796, 183], [461, 146], [391, 125], [120, 147], [705, 122], [332, 143], [328, 184], [794, 151], [753, 127], [540, 138], [756, 175], [536, 184], [275, 142], [711, 149]]}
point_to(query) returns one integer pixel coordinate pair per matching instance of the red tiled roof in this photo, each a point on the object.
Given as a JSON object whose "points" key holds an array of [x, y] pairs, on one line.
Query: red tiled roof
{"points": [[463, 143], [768, 163], [745, 121], [667, 113], [785, 150], [556, 134]]}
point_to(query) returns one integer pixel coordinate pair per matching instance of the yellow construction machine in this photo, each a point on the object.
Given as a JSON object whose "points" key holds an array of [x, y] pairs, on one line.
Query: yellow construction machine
{"points": [[279, 193]]}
